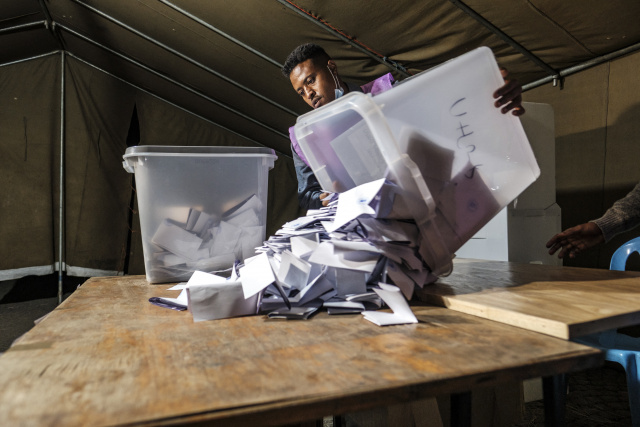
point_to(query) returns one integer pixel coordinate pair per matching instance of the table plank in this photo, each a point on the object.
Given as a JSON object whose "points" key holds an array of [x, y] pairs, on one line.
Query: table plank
{"points": [[107, 356], [564, 302]]}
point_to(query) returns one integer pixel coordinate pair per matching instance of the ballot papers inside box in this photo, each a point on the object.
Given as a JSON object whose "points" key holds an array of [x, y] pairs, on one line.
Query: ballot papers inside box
{"points": [[201, 208], [456, 160]]}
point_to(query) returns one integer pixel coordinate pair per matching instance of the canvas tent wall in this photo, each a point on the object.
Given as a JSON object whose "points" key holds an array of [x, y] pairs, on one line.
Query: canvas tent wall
{"points": [[207, 73]]}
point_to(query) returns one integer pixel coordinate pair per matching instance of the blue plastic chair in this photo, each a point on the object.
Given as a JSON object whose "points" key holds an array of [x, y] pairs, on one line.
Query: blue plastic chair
{"points": [[619, 257], [621, 348]]}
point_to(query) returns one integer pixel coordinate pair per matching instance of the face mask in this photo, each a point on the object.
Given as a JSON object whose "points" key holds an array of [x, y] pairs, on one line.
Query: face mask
{"points": [[338, 90]]}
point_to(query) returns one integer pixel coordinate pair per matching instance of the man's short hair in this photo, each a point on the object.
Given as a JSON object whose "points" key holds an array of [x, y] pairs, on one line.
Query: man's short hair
{"points": [[301, 54]]}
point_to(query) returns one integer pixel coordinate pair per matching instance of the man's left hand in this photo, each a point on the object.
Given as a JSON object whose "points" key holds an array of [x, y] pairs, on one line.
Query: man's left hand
{"points": [[509, 96]]}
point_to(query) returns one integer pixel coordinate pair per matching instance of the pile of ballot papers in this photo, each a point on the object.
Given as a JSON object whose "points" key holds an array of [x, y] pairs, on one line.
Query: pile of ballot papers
{"points": [[207, 242], [345, 258]]}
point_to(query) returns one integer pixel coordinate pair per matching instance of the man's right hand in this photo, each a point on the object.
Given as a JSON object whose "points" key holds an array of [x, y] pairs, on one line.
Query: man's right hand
{"points": [[575, 240], [324, 196]]}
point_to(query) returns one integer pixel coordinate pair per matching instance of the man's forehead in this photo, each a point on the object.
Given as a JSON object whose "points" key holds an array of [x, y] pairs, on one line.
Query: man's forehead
{"points": [[301, 71]]}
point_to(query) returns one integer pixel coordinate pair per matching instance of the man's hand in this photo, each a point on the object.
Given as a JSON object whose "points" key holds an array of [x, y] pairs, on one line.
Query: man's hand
{"points": [[575, 240], [509, 96], [324, 196]]}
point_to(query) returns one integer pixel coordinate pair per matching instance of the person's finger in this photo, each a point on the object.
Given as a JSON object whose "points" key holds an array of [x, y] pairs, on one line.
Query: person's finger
{"points": [[509, 87], [508, 96], [566, 250], [553, 249], [515, 108], [552, 241], [518, 111]]}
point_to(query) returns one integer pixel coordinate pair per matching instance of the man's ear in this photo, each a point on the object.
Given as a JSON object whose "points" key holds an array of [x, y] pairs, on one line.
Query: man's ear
{"points": [[332, 67]]}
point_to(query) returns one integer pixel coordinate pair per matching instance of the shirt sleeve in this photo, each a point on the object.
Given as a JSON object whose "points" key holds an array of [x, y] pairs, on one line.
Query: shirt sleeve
{"points": [[309, 189], [622, 216]]}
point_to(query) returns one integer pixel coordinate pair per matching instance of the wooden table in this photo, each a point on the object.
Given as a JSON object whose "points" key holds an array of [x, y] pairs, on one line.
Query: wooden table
{"points": [[564, 302], [106, 356]]}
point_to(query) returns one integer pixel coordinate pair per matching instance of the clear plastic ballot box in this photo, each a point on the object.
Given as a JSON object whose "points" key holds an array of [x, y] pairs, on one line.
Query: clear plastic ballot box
{"points": [[455, 157], [201, 208]]}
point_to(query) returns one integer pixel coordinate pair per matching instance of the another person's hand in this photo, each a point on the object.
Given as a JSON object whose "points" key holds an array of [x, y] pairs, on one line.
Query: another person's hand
{"points": [[509, 96], [575, 240]]}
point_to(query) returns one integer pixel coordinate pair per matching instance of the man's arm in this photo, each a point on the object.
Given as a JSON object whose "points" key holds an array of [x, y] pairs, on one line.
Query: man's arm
{"points": [[622, 216], [309, 189]]}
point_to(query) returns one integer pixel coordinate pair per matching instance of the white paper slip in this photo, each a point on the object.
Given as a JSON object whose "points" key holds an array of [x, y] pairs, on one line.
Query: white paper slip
{"points": [[178, 286], [256, 274], [293, 271], [355, 202], [219, 301], [392, 296], [354, 246], [302, 245], [351, 260], [202, 278], [344, 304]]}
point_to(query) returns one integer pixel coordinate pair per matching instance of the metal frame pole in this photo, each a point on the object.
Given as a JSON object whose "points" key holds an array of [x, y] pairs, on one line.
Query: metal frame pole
{"points": [[18, 61], [62, 194], [187, 58], [584, 65], [24, 27], [71, 55], [177, 83], [221, 33]]}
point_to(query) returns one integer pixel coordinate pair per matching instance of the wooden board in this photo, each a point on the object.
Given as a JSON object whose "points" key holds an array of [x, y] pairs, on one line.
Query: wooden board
{"points": [[564, 302], [108, 356]]}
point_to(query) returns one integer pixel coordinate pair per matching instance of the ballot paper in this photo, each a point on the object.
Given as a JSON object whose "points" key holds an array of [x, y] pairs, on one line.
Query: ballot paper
{"points": [[392, 296], [314, 261], [191, 239], [360, 200], [304, 244], [327, 254], [294, 271], [256, 275], [219, 301], [296, 313]]}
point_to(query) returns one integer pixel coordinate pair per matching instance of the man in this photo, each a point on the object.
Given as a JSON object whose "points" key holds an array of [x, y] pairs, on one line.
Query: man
{"points": [[622, 216], [314, 76]]}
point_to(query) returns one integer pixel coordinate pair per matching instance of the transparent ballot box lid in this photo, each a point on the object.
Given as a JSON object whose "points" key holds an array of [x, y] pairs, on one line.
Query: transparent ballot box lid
{"points": [[437, 135]]}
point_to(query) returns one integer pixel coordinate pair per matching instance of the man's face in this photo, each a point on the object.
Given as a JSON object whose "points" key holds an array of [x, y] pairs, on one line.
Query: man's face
{"points": [[315, 84]]}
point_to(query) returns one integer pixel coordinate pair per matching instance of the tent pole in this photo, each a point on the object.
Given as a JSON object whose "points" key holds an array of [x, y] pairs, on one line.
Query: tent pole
{"points": [[24, 27], [585, 65], [185, 57], [219, 32], [394, 66], [175, 82], [29, 59], [62, 198]]}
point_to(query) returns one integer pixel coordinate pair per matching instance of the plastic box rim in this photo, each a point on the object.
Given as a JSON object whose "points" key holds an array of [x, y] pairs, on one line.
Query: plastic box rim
{"points": [[205, 150]]}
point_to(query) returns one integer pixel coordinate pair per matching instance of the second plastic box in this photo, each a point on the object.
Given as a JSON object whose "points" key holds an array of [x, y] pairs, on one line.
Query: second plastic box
{"points": [[458, 159], [201, 208]]}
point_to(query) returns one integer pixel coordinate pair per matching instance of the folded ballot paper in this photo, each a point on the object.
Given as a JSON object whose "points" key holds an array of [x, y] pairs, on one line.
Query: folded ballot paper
{"points": [[207, 242], [210, 297]]}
